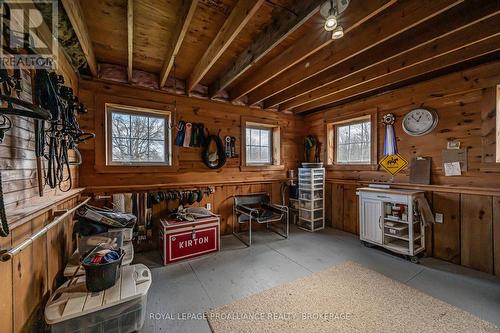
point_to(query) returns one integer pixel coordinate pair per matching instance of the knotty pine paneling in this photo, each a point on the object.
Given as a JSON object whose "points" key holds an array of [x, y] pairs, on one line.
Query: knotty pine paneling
{"points": [[216, 117], [496, 234], [469, 235], [30, 277], [477, 232], [447, 234], [465, 103]]}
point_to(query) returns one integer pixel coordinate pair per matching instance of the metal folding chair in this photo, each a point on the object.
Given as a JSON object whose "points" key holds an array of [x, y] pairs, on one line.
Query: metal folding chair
{"points": [[258, 208]]}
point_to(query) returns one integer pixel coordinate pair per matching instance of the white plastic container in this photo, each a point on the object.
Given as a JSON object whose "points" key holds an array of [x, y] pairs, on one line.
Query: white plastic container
{"points": [[121, 308]]}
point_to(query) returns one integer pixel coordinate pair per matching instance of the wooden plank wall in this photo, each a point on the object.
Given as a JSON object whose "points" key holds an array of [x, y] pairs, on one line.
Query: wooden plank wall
{"points": [[32, 275], [28, 279], [216, 116], [465, 103], [469, 236]]}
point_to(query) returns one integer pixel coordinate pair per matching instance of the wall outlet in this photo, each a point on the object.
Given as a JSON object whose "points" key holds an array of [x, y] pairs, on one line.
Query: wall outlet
{"points": [[439, 218], [209, 206]]}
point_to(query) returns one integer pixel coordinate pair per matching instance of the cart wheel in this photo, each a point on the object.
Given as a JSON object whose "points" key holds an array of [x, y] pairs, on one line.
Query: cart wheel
{"points": [[367, 244], [414, 259]]}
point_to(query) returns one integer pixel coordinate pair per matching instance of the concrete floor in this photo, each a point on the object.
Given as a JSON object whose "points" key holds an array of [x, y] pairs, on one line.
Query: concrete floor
{"points": [[182, 292]]}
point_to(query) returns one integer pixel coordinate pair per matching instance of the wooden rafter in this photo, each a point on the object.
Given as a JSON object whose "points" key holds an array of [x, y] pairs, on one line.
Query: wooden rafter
{"points": [[186, 13], [398, 19], [130, 38], [379, 84], [357, 13], [285, 21], [454, 20], [239, 17], [75, 15]]}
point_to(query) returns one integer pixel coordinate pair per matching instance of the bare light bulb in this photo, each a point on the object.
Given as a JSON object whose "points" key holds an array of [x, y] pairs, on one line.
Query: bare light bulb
{"points": [[338, 32], [330, 23]]}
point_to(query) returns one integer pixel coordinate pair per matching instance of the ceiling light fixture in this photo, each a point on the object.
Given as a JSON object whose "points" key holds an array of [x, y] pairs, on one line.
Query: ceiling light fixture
{"points": [[331, 23], [338, 32], [330, 10]]}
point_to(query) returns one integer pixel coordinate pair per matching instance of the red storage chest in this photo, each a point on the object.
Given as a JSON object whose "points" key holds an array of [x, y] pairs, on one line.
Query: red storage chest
{"points": [[184, 240]]}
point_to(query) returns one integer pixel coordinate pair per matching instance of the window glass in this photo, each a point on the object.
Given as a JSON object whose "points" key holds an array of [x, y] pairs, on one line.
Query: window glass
{"points": [[258, 145], [138, 138], [353, 143]]}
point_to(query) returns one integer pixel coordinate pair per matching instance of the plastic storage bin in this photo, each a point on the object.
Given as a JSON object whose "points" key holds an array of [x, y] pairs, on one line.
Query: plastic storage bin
{"points": [[119, 309], [112, 237]]}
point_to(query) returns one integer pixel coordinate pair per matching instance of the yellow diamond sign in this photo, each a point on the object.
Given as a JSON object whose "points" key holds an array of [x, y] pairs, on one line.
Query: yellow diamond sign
{"points": [[393, 163]]}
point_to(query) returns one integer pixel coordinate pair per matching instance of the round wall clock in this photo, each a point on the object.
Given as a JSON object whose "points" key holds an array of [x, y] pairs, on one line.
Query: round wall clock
{"points": [[420, 121]]}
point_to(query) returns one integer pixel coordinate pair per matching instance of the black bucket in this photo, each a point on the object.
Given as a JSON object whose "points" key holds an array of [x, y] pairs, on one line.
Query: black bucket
{"points": [[99, 277]]}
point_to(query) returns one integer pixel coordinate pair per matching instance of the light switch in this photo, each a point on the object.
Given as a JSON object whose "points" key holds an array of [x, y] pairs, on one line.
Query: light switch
{"points": [[439, 218], [209, 206]]}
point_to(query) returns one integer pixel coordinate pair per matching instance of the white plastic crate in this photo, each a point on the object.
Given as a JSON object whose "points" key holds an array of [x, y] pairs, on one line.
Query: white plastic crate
{"points": [[120, 309]]}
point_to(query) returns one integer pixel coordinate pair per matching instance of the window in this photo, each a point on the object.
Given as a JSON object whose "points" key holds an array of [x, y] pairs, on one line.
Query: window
{"points": [[258, 145], [137, 136], [353, 143]]}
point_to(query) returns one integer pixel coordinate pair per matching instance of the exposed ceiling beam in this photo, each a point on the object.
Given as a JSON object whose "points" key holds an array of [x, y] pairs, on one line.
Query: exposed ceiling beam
{"points": [[460, 72], [185, 14], [130, 38], [489, 46], [285, 21], [456, 19], [358, 12], [401, 17], [239, 17], [75, 15]]}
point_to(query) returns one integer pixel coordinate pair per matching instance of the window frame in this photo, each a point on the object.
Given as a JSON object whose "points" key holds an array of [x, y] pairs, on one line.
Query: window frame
{"points": [[100, 151], [260, 128], [276, 160], [145, 112], [331, 133]]}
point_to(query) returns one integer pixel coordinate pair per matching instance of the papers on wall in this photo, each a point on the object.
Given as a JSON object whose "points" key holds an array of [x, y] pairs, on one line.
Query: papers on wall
{"points": [[452, 169]]}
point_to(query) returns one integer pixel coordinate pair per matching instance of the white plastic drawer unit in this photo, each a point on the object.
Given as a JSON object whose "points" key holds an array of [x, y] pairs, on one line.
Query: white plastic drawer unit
{"points": [[311, 199]]}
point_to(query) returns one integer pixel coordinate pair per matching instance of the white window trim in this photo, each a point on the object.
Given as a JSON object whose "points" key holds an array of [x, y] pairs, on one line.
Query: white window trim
{"points": [[110, 107]]}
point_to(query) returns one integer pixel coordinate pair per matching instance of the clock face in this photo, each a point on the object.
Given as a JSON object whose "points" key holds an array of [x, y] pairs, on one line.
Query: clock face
{"points": [[419, 122]]}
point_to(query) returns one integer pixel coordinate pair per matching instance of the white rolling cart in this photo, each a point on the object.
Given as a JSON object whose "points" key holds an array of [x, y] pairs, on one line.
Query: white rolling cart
{"points": [[389, 218], [311, 199]]}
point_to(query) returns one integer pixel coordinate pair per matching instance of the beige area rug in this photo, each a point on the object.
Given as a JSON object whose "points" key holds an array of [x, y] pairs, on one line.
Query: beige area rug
{"points": [[344, 298]]}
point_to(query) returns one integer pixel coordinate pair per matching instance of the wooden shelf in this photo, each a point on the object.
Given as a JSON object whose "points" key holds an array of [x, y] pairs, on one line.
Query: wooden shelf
{"points": [[434, 187], [159, 187], [398, 246], [38, 206], [405, 237]]}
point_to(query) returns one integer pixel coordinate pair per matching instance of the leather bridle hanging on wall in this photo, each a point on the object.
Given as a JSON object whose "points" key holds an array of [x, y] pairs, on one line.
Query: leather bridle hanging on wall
{"points": [[214, 159]]}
